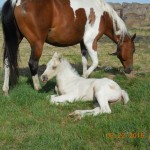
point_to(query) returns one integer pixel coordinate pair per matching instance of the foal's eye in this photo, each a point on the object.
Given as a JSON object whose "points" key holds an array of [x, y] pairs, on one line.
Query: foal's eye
{"points": [[54, 67]]}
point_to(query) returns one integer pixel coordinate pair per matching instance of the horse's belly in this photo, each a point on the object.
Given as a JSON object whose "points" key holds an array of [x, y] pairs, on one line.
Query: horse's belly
{"points": [[62, 38]]}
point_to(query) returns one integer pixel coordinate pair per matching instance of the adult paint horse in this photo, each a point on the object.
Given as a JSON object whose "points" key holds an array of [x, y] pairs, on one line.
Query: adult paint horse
{"points": [[61, 23]]}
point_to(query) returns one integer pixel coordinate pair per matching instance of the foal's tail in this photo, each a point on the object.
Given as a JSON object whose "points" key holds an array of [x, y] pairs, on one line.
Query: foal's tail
{"points": [[11, 39], [125, 97]]}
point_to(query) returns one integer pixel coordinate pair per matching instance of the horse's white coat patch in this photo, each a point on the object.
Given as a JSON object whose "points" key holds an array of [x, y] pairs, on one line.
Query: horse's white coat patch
{"points": [[18, 3], [99, 6], [13, 2], [87, 5]]}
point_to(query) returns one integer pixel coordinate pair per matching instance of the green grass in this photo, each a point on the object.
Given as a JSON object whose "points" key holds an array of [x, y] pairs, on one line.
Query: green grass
{"points": [[29, 121]]}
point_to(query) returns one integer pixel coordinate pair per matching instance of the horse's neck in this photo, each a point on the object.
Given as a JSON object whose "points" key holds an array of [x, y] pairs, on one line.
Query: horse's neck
{"points": [[109, 30], [66, 73]]}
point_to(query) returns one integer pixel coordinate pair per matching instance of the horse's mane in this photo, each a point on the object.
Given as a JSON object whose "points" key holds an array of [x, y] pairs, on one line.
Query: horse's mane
{"points": [[65, 64], [118, 24]]}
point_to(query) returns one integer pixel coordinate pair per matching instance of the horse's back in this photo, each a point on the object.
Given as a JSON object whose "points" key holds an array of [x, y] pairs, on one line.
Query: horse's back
{"points": [[59, 22]]}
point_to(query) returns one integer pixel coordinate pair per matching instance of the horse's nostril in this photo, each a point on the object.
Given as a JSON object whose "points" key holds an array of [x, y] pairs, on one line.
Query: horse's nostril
{"points": [[128, 70], [44, 78]]}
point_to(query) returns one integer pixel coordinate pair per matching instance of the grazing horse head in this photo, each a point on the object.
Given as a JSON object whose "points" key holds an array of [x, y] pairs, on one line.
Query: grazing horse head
{"points": [[116, 30], [125, 51]]}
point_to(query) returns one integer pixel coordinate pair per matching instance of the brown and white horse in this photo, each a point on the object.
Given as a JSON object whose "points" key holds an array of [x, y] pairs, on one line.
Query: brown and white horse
{"points": [[61, 23]]}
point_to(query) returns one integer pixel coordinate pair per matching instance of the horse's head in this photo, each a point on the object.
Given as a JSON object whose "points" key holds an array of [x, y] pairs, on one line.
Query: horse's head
{"points": [[52, 68], [125, 51]]}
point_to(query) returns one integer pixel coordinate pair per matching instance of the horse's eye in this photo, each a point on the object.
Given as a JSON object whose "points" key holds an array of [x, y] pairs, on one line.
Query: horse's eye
{"points": [[54, 67]]}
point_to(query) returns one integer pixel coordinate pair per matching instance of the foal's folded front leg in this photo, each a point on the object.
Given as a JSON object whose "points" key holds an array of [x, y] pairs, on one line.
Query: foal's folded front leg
{"points": [[62, 99]]}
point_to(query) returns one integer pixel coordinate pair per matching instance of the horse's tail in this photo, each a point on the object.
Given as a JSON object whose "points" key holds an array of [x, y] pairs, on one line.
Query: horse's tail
{"points": [[11, 39], [125, 97]]}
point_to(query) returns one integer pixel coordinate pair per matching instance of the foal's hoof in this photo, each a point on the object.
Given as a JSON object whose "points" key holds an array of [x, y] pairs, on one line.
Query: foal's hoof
{"points": [[75, 115]]}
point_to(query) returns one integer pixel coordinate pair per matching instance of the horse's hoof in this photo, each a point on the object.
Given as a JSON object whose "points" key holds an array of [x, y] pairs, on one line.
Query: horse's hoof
{"points": [[85, 76], [131, 75], [75, 116], [6, 93], [37, 88], [71, 115]]}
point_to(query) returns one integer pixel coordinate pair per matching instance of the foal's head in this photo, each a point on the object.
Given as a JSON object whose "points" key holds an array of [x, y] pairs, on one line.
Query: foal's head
{"points": [[125, 51], [52, 68]]}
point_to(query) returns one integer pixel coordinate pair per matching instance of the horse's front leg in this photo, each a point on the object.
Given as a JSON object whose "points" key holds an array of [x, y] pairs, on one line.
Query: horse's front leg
{"points": [[93, 55], [34, 61], [62, 99], [84, 53]]}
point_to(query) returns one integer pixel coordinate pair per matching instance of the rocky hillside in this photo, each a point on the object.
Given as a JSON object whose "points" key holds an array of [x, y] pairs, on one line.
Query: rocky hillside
{"points": [[134, 14]]}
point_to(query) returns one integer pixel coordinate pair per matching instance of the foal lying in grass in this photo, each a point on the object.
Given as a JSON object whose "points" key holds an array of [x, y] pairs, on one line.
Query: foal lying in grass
{"points": [[72, 87]]}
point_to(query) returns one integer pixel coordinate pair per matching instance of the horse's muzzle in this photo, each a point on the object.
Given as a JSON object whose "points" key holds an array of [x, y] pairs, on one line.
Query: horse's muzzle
{"points": [[128, 70], [44, 78]]}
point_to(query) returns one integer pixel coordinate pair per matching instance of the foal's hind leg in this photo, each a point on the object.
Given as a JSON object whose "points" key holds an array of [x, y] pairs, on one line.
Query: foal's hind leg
{"points": [[33, 63], [103, 102]]}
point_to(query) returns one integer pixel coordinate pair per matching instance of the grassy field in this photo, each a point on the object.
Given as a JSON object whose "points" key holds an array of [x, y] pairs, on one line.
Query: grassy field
{"points": [[29, 121]]}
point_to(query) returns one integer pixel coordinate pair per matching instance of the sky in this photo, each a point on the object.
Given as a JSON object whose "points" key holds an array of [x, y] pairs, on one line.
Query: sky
{"points": [[114, 1]]}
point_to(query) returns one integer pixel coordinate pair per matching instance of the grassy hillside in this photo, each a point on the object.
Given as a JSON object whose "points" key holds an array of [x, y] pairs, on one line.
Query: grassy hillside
{"points": [[29, 121]]}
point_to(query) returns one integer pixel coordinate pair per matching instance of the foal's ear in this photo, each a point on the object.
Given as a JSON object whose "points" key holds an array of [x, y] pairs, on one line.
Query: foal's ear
{"points": [[133, 37], [57, 55]]}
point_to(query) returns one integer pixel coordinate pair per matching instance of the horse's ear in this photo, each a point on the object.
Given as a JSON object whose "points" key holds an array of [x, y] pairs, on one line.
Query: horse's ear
{"points": [[57, 55], [133, 37]]}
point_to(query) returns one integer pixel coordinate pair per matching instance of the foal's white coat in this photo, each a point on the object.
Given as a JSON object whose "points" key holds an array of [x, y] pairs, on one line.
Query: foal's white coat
{"points": [[73, 87]]}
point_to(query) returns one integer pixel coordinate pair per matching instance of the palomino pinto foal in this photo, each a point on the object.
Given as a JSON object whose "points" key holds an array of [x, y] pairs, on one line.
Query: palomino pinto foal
{"points": [[61, 23], [72, 87]]}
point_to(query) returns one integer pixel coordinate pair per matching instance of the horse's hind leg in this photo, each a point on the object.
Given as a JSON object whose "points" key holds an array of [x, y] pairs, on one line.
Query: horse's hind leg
{"points": [[6, 77], [34, 61], [84, 53]]}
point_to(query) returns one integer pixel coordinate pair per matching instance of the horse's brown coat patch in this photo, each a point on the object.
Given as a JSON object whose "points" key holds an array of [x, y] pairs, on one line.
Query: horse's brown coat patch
{"points": [[92, 16]]}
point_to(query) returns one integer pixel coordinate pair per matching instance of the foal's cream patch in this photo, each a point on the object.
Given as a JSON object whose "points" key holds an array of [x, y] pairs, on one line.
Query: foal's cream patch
{"points": [[18, 3]]}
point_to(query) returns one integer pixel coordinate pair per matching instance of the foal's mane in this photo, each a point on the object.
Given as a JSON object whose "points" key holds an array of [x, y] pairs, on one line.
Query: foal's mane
{"points": [[118, 24], [65, 64]]}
